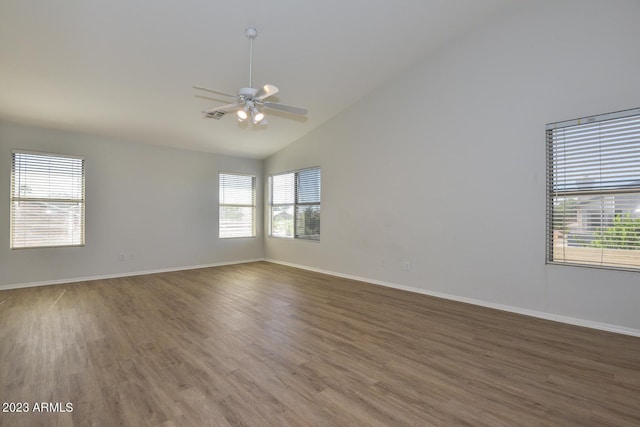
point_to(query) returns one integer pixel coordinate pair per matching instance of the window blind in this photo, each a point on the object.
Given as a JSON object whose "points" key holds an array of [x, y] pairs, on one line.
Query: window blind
{"points": [[47, 200], [237, 205], [295, 204], [307, 209], [593, 191]]}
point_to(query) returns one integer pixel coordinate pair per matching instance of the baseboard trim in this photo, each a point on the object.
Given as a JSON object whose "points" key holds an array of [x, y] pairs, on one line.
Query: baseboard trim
{"points": [[512, 309], [127, 274]]}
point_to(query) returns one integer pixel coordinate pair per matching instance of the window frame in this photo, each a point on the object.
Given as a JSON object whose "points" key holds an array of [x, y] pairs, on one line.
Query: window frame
{"points": [[13, 243], [611, 182], [295, 205], [253, 205]]}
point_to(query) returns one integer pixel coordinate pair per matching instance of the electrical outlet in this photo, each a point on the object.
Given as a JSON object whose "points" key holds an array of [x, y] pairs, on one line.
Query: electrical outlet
{"points": [[407, 266], [121, 257]]}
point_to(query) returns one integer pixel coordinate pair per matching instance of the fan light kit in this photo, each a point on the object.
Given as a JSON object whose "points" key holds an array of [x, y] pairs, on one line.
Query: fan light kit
{"points": [[249, 100]]}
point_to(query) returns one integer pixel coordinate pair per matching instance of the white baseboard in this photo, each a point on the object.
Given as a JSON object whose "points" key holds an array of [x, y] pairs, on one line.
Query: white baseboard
{"points": [[127, 274], [512, 309]]}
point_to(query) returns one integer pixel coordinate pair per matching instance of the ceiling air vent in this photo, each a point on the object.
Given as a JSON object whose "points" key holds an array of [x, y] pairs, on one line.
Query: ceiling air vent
{"points": [[215, 114]]}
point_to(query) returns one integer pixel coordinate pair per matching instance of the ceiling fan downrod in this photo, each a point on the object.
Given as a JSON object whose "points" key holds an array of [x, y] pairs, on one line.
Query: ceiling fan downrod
{"points": [[251, 34]]}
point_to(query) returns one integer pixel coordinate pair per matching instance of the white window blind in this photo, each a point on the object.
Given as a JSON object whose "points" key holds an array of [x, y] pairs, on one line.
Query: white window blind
{"points": [[47, 200], [593, 191], [237, 205], [294, 199]]}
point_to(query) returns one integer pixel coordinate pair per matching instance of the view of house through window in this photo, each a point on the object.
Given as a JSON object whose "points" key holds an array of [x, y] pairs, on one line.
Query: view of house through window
{"points": [[294, 204], [237, 205], [593, 191], [47, 200]]}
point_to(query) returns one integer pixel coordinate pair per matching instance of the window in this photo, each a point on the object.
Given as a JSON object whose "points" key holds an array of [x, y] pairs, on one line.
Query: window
{"points": [[593, 191], [237, 205], [294, 202], [47, 200]]}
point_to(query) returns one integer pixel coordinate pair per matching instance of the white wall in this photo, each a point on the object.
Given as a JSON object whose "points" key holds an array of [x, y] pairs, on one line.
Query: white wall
{"points": [[445, 166], [157, 206]]}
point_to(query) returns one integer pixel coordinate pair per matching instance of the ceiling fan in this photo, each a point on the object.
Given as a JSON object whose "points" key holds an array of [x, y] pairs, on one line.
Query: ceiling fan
{"points": [[249, 100]]}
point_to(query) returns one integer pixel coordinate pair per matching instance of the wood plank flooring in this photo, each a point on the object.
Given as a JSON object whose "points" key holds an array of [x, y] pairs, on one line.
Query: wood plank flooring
{"points": [[266, 345]]}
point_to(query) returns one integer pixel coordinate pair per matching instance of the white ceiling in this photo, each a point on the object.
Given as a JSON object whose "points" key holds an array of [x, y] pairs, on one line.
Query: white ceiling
{"points": [[124, 68]]}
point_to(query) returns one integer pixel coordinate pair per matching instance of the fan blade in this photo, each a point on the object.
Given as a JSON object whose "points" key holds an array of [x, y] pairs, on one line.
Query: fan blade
{"points": [[226, 108], [214, 91], [287, 108], [266, 91]]}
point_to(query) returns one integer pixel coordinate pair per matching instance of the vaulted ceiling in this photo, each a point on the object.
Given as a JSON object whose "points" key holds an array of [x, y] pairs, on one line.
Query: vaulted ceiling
{"points": [[125, 68]]}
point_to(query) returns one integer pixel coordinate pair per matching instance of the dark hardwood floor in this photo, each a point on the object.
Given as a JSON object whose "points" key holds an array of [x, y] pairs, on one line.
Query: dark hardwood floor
{"points": [[266, 345]]}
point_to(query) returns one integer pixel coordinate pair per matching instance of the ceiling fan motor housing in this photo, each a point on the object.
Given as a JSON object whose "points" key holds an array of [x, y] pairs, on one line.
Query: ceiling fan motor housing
{"points": [[247, 92]]}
